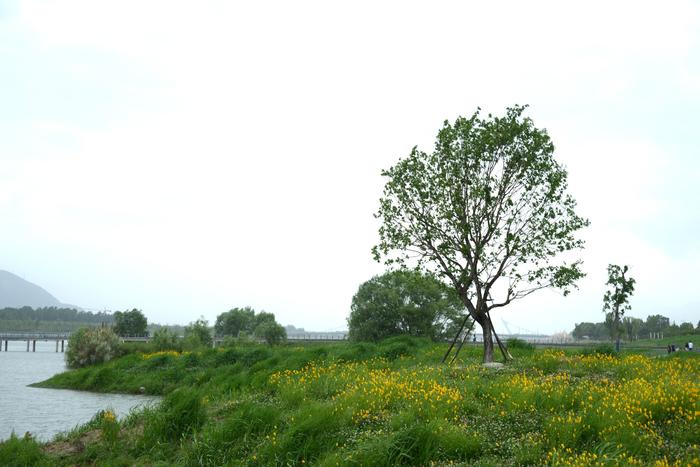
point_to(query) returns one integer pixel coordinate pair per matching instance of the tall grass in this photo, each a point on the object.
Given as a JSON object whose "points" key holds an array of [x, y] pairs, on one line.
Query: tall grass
{"points": [[390, 403], [24, 452]]}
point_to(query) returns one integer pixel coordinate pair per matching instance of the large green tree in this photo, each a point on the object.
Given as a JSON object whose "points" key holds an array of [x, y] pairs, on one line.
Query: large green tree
{"points": [[262, 325], [616, 299], [232, 322], [130, 323], [487, 210], [404, 302]]}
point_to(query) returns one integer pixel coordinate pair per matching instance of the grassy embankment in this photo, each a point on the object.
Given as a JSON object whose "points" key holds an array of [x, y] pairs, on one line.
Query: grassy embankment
{"points": [[386, 404]]}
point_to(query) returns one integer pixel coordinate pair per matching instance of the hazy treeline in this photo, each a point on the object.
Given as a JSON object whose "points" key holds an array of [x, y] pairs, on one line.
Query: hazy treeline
{"points": [[50, 319], [635, 328]]}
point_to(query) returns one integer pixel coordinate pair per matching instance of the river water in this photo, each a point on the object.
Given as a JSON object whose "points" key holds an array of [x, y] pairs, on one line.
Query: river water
{"points": [[47, 412]]}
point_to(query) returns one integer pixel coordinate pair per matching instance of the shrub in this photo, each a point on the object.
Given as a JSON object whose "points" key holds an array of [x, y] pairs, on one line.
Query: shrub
{"points": [[356, 351], [197, 335], [21, 452], [255, 355], [515, 343], [165, 339], [601, 349], [395, 350], [88, 346]]}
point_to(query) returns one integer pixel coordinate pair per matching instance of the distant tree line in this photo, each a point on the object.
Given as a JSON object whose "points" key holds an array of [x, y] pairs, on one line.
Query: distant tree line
{"points": [[53, 313], [291, 329], [631, 328], [50, 319]]}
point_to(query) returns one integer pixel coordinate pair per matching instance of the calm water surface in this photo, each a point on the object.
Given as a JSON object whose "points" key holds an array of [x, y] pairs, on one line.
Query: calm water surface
{"points": [[46, 412]]}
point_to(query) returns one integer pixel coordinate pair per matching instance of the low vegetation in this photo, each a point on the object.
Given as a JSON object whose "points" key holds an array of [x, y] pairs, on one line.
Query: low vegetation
{"points": [[88, 346], [384, 404]]}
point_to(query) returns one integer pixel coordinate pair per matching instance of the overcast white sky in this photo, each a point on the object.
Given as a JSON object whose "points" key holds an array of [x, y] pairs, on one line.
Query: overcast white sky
{"points": [[187, 158]]}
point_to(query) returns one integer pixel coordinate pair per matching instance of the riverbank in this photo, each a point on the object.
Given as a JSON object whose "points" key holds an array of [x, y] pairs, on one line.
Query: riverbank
{"points": [[47, 412], [386, 404]]}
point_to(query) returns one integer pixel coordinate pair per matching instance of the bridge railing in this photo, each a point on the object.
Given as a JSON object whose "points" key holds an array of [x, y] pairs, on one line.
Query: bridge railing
{"points": [[33, 335]]}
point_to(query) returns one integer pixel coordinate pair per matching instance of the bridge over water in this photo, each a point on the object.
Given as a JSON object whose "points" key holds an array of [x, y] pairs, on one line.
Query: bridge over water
{"points": [[33, 337], [59, 337], [62, 337]]}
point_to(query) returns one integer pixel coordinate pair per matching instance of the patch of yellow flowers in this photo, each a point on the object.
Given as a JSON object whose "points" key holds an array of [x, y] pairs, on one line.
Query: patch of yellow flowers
{"points": [[621, 401], [108, 416], [170, 353], [370, 390]]}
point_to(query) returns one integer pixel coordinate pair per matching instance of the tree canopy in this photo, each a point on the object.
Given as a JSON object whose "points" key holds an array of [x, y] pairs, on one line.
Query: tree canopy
{"points": [[245, 320], [130, 323], [404, 302], [232, 322], [487, 210]]}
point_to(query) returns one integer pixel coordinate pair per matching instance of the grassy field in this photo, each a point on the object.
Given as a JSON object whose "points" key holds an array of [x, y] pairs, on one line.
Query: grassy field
{"points": [[385, 404]]}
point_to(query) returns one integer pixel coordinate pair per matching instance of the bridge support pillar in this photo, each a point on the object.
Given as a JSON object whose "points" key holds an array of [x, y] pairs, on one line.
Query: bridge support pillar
{"points": [[56, 345], [33, 346], [27, 345], [62, 341]]}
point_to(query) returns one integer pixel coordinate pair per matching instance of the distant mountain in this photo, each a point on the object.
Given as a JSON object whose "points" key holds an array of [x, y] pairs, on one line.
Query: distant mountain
{"points": [[15, 292]]}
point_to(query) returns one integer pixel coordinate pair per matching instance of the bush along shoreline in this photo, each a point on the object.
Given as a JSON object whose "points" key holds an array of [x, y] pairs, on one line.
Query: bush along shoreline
{"points": [[388, 403]]}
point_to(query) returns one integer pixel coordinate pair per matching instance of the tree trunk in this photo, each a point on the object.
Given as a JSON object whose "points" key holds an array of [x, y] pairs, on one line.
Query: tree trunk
{"points": [[488, 340], [504, 350], [615, 334]]}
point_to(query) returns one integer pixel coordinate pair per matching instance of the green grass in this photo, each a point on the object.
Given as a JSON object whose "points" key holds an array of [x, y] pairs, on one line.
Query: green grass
{"points": [[389, 403], [22, 452], [678, 340]]}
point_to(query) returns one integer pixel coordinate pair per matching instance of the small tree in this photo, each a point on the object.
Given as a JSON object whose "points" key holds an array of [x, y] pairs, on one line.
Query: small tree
{"points": [[197, 334], [487, 211], [616, 299], [88, 346], [271, 332], [130, 323], [403, 302]]}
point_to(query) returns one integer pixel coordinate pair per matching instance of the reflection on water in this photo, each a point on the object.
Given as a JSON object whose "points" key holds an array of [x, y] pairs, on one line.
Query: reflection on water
{"points": [[46, 412]]}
